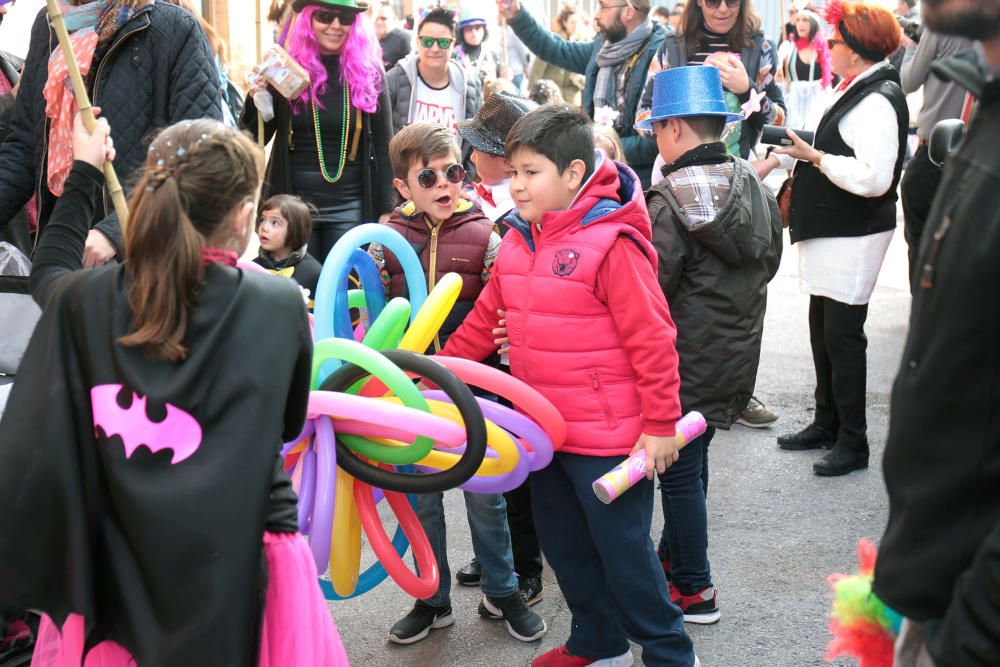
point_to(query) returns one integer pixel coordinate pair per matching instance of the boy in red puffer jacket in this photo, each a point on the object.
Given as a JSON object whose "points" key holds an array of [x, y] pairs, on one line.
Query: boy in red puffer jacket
{"points": [[589, 328]]}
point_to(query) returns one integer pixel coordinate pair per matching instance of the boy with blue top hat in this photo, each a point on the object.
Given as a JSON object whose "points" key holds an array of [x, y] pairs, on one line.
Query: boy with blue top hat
{"points": [[717, 232]]}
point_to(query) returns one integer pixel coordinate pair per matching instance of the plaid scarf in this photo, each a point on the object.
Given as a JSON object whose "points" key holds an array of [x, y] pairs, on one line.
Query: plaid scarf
{"points": [[92, 26]]}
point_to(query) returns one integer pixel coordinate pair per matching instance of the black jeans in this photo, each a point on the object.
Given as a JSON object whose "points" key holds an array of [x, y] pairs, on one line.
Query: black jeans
{"points": [[523, 539], [839, 348], [684, 540], [919, 185], [325, 235]]}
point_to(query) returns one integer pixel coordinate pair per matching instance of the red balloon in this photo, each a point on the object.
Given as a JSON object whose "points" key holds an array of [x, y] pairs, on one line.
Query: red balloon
{"points": [[420, 587]]}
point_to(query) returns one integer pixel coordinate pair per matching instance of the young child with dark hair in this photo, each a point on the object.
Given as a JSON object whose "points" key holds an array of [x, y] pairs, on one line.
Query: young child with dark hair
{"points": [[717, 232], [284, 227], [450, 234], [589, 328]]}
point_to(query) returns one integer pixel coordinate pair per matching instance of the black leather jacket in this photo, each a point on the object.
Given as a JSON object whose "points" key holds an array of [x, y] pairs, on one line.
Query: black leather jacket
{"points": [[939, 561], [158, 70]]}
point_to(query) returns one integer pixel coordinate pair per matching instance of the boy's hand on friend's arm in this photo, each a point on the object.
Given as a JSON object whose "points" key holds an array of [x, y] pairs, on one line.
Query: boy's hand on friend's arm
{"points": [[661, 452], [501, 339]]}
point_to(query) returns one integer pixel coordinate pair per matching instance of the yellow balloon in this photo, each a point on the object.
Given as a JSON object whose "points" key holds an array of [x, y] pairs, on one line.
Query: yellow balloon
{"points": [[300, 447], [345, 538], [432, 314], [496, 438]]}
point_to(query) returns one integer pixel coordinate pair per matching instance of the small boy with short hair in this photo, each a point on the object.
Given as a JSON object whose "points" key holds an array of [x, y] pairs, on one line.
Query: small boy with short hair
{"points": [[589, 329], [450, 234], [487, 133], [717, 231]]}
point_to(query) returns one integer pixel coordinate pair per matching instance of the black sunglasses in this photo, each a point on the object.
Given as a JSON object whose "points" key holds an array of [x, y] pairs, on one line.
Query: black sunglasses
{"points": [[428, 178], [442, 42], [326, 16], [714, 4]]}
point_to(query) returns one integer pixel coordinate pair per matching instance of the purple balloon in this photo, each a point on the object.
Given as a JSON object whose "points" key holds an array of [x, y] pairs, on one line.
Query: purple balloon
{"points": [[517, 424], [307, 430], [321, 526], [513, 422], [308, 488]]}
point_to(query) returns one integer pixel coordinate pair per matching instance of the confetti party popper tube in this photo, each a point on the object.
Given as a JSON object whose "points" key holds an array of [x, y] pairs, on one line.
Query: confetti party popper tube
{"points": [[624, 476]]}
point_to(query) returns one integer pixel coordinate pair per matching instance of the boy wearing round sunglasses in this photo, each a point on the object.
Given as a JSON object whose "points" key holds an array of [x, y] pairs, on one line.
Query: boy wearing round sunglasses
{"points": [[451, 234]]}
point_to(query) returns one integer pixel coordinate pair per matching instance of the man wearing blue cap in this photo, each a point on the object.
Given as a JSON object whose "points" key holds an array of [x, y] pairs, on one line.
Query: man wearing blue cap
{"points": [[717, 232]]}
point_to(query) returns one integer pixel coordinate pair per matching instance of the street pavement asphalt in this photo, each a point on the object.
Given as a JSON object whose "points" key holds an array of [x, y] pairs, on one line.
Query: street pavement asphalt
{"points": [[776, 530]]}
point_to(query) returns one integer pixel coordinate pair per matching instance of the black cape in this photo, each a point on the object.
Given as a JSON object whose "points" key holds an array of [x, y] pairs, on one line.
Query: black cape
{"points": [[150, 523]]}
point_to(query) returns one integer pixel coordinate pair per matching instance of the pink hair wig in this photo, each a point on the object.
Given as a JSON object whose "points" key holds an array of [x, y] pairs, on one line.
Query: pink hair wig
{"points": [[822, 50], [360, 60], [823, 56]]}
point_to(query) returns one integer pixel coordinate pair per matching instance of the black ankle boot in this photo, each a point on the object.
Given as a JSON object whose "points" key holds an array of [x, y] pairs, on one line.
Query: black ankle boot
{"points": [[841, 460], [811, 437]]}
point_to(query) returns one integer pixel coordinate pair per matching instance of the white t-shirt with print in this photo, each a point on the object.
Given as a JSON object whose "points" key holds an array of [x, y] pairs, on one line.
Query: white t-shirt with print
{"points": [[434, 105]]}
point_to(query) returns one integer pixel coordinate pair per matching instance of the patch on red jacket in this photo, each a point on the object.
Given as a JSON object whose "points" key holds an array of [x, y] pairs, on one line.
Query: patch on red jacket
{"points": [[565, 261]]}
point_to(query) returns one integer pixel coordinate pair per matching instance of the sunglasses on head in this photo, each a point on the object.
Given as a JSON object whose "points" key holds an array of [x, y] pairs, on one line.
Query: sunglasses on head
{"points": [[326, 16], [428, 178], [714, 4], [442, 42]]}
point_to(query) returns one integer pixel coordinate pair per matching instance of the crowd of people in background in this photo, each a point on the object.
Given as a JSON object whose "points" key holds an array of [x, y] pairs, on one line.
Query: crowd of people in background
{"points": [[465, 131]]}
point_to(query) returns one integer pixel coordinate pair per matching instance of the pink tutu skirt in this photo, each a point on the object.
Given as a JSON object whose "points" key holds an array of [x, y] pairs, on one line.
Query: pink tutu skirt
{"points": [[298, 629]]}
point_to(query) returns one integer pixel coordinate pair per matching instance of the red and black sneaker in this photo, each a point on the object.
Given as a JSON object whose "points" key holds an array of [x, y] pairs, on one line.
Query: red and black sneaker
{"points": [[561, 657], [699, 608]]}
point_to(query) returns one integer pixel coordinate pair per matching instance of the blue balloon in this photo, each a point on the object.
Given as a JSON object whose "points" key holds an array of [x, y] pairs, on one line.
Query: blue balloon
{"points": [[330, 303], [371, 283]]}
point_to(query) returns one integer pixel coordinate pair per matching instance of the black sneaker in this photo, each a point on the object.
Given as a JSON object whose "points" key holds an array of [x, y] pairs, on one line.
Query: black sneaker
{"points": [[531, 589], [699, 608], [522, 623], [470, 574], [419, 622]]}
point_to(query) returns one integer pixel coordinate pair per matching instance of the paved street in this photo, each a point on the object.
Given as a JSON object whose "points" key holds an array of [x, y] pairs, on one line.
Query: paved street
{"points": [[777, 530]]}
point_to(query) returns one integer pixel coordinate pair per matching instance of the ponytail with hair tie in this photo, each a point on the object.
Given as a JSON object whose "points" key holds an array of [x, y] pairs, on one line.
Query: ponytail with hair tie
{"points": [[197, 173]]}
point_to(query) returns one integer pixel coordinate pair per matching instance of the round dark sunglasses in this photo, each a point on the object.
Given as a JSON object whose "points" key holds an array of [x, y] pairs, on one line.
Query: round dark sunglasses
{"points": [[326, 17], [714, 4], [428, 178]]}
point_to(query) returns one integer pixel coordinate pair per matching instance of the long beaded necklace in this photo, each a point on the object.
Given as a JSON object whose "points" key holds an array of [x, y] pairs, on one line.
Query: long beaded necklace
{"points": [[343, 137]]}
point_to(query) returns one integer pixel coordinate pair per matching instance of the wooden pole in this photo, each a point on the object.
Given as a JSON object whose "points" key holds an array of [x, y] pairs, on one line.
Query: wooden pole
{"points": [[503, 43], [86, 111], [260, 48]]}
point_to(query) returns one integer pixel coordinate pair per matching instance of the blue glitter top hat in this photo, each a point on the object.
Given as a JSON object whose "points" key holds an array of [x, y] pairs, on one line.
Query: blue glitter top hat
{"points": [[687, 91]]}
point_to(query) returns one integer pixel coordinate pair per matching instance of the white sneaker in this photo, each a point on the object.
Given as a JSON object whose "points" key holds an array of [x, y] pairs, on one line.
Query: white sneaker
{"points": [[623, 660]]}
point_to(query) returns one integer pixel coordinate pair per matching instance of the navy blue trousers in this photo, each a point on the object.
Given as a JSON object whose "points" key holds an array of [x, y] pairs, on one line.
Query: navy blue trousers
{"points": [[606, 565]]}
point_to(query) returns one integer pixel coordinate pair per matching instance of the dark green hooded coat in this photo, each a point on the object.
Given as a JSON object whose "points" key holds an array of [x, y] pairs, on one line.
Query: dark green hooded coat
{"points": [[714, 276]]}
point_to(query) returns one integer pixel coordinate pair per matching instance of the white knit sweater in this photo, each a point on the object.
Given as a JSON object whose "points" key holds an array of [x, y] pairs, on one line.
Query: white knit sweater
{"points": [[846, 268]]}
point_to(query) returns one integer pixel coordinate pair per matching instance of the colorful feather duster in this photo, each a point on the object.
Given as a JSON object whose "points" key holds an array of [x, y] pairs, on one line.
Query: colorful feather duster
{"points": [[863, 627]]}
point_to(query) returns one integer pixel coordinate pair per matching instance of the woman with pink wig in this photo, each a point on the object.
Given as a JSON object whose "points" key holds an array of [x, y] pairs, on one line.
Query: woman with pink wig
{"points": [[808, 73], [331, 145]]}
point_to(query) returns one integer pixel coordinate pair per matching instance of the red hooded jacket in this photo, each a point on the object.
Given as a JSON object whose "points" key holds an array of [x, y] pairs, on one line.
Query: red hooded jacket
{"points": [[589, 327]]}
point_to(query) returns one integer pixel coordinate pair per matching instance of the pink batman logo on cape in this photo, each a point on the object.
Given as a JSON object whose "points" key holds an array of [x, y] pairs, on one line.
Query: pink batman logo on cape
{"points": [[178, 432]]}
